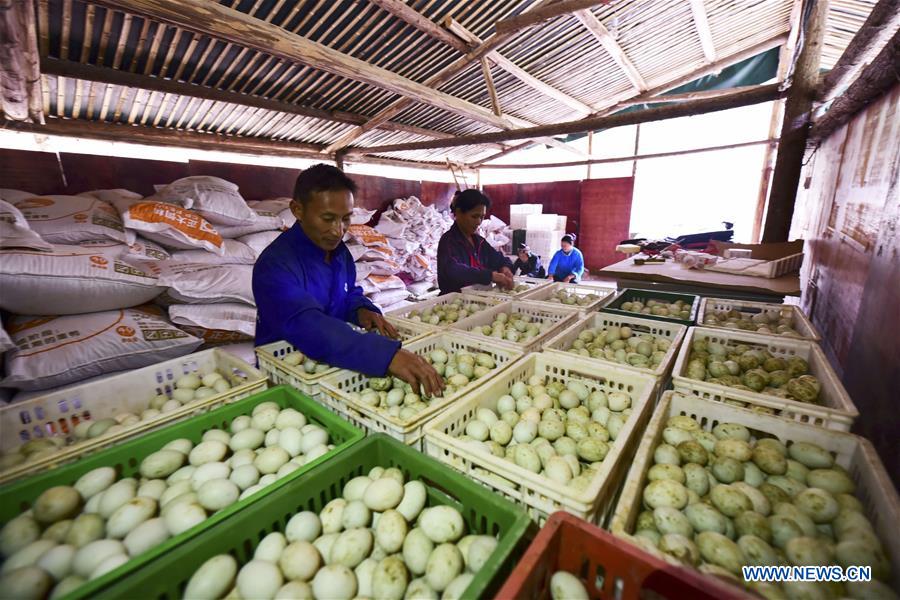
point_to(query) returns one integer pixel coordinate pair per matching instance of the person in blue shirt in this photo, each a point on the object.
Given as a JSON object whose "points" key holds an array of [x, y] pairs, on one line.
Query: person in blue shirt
{"points": [[464, 257], [304, 284], [567, 265], [528, 264]]}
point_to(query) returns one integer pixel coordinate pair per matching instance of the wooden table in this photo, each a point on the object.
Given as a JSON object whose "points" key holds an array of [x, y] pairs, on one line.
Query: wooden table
{"points": [[671, 277]]}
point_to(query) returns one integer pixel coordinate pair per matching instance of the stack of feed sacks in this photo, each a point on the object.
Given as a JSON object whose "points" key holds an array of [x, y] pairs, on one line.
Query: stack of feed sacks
{"points": [[77, 286], [413, 231]]}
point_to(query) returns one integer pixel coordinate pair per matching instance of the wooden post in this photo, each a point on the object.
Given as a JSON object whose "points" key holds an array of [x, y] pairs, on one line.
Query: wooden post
{"points": [[20, 92], [492, 91], [795, 128], [637, 145], [590, 151]]}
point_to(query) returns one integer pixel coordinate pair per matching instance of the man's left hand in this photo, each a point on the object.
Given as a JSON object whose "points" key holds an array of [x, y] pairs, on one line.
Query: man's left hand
{"points": [[569, 278], [506, 271], [371, 320]]}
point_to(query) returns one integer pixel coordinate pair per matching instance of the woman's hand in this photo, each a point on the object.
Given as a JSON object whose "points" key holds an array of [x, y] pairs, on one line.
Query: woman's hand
{"points": [[502, 279], [569, 278]]}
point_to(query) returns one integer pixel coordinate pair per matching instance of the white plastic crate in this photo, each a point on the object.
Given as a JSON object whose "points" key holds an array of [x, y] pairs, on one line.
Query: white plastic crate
{"points": [[544, 293], [799, 321], [55, 414], [559, 318], [476, 303], [499, 294], [540, 495], [854, 453], [834, 411], [270, 361], [336, 388], [671, 331]]}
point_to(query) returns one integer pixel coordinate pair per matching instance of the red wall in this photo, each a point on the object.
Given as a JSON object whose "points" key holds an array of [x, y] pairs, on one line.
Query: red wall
{"points": [[43, 173], [605, 218]]}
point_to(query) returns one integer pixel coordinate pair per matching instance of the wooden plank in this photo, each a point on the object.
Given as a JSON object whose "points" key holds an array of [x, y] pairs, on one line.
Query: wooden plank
{"points": [[701, 22], [882, 24], [218, 21], [556, 9], [795, 128], [757, 95], [616, 52]]}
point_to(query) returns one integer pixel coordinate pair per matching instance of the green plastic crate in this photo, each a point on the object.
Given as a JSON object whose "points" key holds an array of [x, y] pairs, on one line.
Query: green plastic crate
{"points": [[126, 458], [484, 513], [630, 295]]}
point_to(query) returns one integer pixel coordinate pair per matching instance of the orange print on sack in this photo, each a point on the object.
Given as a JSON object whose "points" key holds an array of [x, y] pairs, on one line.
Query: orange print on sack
{"points": [[125, 331], [80, 217], [188, 223], [99, 261], [36, 202]]}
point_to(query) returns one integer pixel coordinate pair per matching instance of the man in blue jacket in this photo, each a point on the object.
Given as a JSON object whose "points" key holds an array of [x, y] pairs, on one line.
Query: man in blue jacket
{"points": [[304, 284]]}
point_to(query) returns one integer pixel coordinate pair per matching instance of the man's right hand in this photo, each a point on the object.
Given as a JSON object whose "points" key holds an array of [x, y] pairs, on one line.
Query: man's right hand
{"points": [[502, 279], [413, 369]]}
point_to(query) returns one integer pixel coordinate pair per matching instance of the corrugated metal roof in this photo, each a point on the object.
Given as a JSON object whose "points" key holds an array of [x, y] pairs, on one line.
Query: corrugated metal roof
{"points": [[659, 37]]}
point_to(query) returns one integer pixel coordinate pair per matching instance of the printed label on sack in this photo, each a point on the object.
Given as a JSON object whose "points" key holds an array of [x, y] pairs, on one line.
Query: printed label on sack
{"points": [[189, 224]]}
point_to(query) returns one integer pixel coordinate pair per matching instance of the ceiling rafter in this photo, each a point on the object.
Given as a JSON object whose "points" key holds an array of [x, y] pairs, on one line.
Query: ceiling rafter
{"points": [[701, 23], [612, 47]]}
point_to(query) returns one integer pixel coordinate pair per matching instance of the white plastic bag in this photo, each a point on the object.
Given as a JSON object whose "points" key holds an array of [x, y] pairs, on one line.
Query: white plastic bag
{"points": [[260, 241], [213, 321], [15, 231], [73, 279], [141, 249], [215, 199], [11, 196], [265, 221], [55, 351], [73, 219], [235, 253], [173, 227], [197, 283]]}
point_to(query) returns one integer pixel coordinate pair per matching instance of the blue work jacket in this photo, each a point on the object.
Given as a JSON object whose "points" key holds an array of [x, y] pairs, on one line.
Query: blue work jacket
{"points": [[309, 302]]}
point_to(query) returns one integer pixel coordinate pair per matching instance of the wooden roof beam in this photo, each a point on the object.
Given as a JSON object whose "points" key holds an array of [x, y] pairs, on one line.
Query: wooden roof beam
{"points": [[395, 108], [62, 68], [882, 24], [875, 79], [223, 23], [612, 47], [701, 23], [403, 11], [763, 93], [544, 13]]}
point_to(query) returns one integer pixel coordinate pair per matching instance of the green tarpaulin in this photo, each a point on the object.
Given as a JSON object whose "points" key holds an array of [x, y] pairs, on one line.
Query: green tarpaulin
{"points": [[753, 71]]}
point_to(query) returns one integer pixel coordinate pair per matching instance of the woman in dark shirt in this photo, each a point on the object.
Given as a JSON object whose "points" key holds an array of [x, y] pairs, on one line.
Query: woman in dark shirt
{"points": [[528, 264], [464, 257]]}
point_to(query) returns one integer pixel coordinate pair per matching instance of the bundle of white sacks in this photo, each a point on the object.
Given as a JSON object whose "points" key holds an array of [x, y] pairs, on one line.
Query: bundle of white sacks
{"points": [[109, 280]]}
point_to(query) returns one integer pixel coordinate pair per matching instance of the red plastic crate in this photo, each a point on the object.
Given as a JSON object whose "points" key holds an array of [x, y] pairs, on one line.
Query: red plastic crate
{"points": [[610, 567]]}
